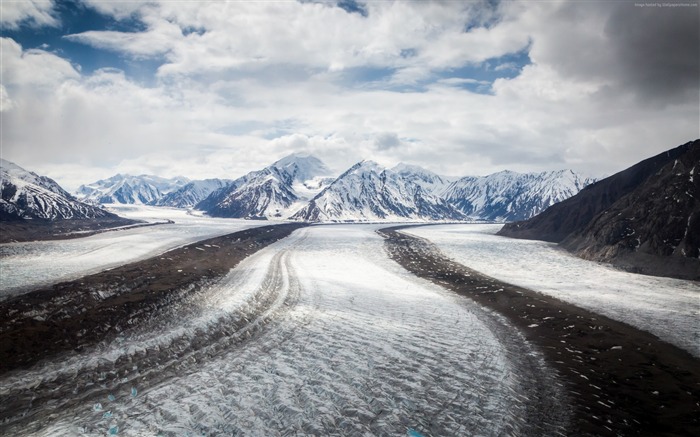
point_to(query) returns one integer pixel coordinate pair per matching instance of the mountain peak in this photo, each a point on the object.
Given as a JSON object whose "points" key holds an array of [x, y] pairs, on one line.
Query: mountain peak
{"points": [[508, 195], [302, 167], [8, 165], [27, 195], [368, 164], [125, 188], [368, 192]]}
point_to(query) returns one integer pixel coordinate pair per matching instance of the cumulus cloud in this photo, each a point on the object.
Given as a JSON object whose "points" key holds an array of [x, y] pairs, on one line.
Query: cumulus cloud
{"points": [[650, 52], [5, 102], [251, 35], [33, 67], [32, 13], [241, 84]]}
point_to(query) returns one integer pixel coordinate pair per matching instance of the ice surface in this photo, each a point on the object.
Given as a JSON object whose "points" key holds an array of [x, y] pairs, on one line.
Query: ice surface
{"points": [[668, 308], [27, 266], [334, 339]]}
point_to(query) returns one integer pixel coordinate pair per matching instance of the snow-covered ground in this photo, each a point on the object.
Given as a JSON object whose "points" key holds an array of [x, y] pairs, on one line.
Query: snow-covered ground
{"points": [[668, 308], [348, 343], [27, 266]]}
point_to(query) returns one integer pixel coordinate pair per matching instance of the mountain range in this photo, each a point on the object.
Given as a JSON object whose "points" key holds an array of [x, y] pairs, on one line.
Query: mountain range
{"points": [[645, 218], [370, 192], [144, 189], [25, 195], [301, 187], [277, 191], [508, 196]]}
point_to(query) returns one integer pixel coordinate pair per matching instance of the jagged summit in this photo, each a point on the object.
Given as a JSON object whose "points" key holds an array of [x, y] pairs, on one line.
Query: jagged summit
{"points": [[277, 191], [127, 189], [301, 187], [192, 193], [302, 167], [428, 180], [27, 195], [368, 192], [508, 195]]}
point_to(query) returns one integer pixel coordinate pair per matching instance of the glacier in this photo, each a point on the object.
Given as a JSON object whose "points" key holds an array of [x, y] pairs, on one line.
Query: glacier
{"points": [[30, 265], [666, 307], [320, 334]]}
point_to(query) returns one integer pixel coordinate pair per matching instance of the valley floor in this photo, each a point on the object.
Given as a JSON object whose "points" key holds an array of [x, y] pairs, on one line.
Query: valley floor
{"points": [[666, 307], [623, 381], [29, 265], [320, 333]]}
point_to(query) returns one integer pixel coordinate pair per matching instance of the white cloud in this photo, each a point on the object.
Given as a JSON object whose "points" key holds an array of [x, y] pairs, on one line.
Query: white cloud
{"points": [[32, 67], [119, 9], [459, 81], [386, 140], [244, 83], [14, 13], [6, 102], [651, 53], [252, 35]]}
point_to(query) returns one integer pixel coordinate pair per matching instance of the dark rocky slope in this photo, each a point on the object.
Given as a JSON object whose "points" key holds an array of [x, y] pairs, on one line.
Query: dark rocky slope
{"points": [[34, 207], [645, 219]]}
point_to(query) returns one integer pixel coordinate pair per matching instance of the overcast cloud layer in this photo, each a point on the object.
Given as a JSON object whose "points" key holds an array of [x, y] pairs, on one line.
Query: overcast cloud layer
{"points": [[457, 87]]}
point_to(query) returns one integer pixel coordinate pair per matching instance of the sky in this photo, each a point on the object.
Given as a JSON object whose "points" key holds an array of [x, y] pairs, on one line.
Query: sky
{"points": [[91, 88]]}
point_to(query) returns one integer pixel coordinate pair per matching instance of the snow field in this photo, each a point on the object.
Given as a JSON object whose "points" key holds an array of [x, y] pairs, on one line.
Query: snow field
{"points": [[30, 265], [668, 308], [352, 345]]}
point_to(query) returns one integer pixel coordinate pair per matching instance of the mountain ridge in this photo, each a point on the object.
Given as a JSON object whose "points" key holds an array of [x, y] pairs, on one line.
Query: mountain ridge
{"points": [[644, 218], [127, 189], [290, 189], [507, 195], [192, 193], [368, 192], [25, 195], [276, 191]]}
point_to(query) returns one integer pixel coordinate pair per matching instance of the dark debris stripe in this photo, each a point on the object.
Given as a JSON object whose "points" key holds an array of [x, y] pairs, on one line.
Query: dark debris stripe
{"points": [[78, 314], [622, 380]]}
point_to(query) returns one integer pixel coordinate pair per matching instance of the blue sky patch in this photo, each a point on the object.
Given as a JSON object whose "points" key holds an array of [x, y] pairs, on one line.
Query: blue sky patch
{"points": [[76, 18], [351, 6], [479, 77]]}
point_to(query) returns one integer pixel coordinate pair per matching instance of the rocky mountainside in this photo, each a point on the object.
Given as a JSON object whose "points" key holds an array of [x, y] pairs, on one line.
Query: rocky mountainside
{"points": [[127, 189], [508, 196], [26, 195], [292, 188], [645, 218], [191, 193], [369, 192], [277, 191]]}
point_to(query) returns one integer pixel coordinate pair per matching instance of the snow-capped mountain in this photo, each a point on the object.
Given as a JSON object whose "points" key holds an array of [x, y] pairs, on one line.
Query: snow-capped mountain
{"points": [[427, 180], [276, 191], [192, 193], [143, 189], [26, 195], [295, 187], [508, 196], [368, 192]]}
